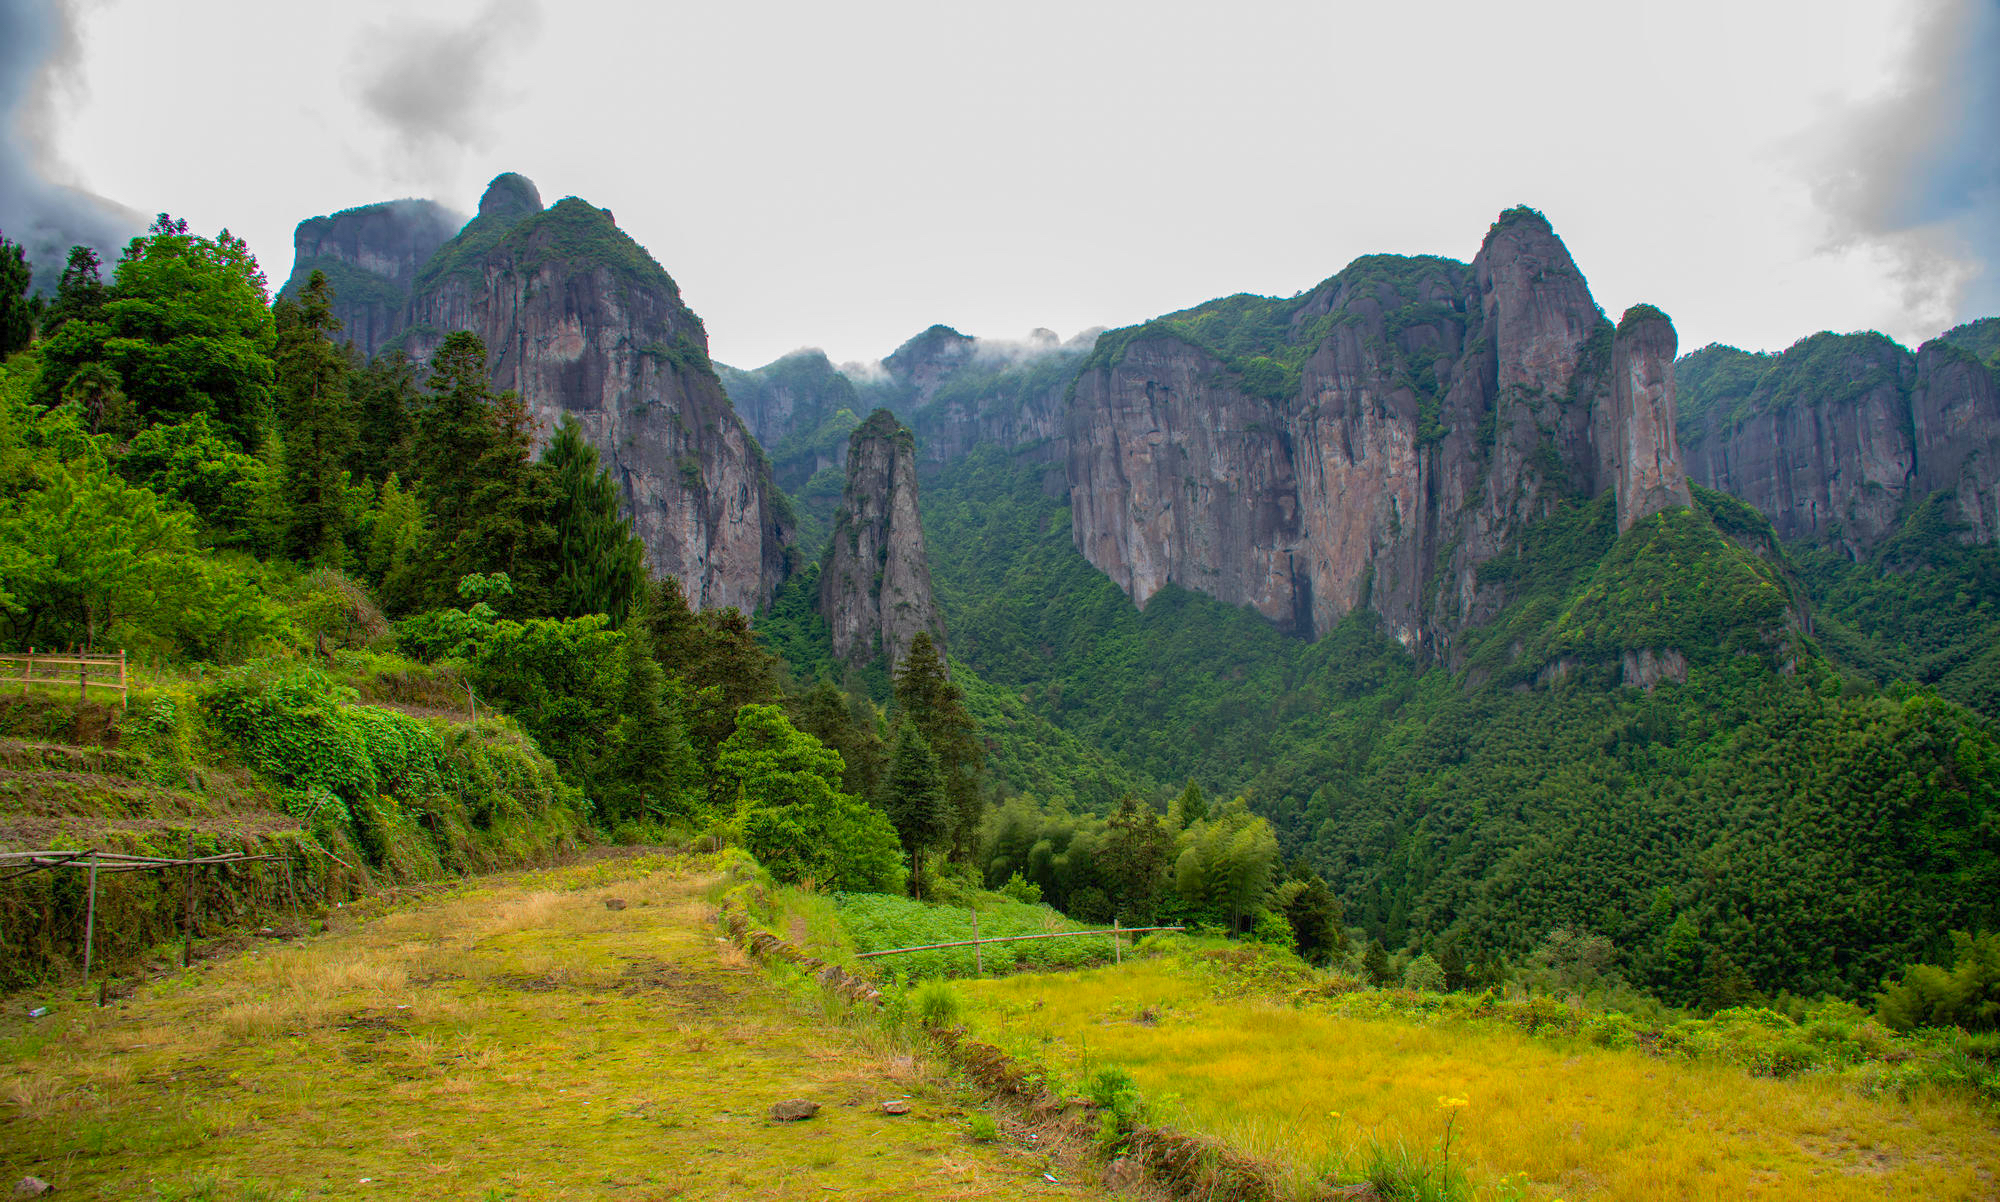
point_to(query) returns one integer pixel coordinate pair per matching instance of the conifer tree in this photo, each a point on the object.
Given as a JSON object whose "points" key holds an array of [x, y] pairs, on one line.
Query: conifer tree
{"points": [[649, 770], [601, 566], [829, 715], [318, 426], [385, 409], [17, 312], [914, 797], [926, 697]]}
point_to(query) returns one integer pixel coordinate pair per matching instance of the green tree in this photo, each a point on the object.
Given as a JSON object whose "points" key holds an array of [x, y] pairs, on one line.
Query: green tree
{"points": [[188, 328], [1965, 995], [925, 695], [318, 427], [913, 797], [385, 407], [392, 547], [1138, 856], [1681, 955], [793, 819], [1375, 963], [1188, 808], [1315, 917], [195, 464], [601, 567], [17, 312], [649, 771], [848, 725]]}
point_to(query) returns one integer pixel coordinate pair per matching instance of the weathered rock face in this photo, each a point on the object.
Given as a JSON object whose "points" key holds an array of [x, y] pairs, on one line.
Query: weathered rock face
{"points": [[1438, 407], [1646, 457], [371, 256], [580, 321], [1835, 436], [875, 588]]}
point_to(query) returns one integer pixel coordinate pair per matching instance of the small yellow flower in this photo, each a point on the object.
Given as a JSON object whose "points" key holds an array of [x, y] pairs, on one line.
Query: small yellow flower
{"points": [[1445, 1103]]}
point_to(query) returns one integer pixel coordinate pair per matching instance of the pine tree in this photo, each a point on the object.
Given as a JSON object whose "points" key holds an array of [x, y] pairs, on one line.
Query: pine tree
{"points": [[832, 717], [914, 797], [318, 427], [649, 771], [1375, 962], [925, 696], [455, 430], [385, 409], [1137, 855], [17, 312], [601, 567]]}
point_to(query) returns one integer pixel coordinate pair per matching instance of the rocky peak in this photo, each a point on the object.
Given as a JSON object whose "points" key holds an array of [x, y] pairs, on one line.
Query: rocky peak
{"points": [[580, 321], [1538, 307], [1647, 458], [875, 588], [510, 195], [370, 256]]}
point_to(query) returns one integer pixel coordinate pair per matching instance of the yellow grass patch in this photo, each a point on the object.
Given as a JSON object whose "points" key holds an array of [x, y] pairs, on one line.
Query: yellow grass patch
{"points": [[1313, 1090]]}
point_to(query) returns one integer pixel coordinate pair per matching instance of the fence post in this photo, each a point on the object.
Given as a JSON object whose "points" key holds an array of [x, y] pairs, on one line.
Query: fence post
{"points": [[82, 677], [978, 953], [27, 670], [1117, 945], [89, 922], [187, 916], [124, 694]]}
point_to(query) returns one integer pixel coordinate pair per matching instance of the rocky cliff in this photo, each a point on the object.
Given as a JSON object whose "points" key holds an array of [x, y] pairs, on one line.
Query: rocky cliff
{"points": [[875, 587], [371, 257], [1834, 437], [1372, 442], [579, 320]]}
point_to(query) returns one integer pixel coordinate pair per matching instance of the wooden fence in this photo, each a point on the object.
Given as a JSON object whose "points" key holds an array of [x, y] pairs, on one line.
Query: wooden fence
{"points": [[65, 668]]}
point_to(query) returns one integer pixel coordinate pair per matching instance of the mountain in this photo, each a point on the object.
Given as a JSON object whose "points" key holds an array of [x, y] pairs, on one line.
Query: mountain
{"points": [[581, 322]]}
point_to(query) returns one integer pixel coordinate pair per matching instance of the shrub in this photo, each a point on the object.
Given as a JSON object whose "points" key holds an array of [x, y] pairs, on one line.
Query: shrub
{"points": [[935, 1004], [1424, 973]]}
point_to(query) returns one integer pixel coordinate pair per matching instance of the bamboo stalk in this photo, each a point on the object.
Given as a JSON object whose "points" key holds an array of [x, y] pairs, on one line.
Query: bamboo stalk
{"points": [[927, 947]]}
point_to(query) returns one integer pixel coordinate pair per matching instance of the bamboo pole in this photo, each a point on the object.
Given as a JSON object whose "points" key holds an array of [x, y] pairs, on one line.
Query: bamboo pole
{"points": [[1117, 945], [187, 915], [978, 957], [931, 947], [27, 670]]}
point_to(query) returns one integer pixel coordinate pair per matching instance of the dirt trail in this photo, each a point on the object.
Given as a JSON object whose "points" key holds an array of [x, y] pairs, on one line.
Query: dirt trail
{"points": [[513, 1038]]}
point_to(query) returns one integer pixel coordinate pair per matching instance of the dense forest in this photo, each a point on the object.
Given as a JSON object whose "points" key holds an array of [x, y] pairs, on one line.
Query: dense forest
{"points": [[222, 487]]}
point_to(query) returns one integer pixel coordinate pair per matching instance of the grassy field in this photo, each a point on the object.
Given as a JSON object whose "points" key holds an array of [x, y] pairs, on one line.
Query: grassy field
{"points": [[510, 1037], [1540, 1118]]}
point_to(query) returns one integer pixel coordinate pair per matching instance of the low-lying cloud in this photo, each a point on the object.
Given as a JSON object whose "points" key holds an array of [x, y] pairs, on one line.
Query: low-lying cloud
{"points": [[39, 51], [436, 88]]}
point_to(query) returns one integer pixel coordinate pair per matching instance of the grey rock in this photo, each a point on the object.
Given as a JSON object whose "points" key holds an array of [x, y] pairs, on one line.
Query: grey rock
{"points": [[793, 1111], [32, 1187], [875, 588]]}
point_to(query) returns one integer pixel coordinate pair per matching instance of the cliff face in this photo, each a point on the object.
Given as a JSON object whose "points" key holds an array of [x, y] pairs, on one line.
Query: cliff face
{"points": [[578, 319], [371, 256], [1832, 438], [875, 588], [1412, 416]]}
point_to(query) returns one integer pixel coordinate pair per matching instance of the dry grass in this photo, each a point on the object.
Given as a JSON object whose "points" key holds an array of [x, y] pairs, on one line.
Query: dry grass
{"points": [[510, 1039], [1313, 1090]]}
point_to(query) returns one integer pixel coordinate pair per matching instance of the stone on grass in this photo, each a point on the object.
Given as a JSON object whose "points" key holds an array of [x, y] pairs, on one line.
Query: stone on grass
{"points": [[33, 1187], [1122, 1173], [614, 903], [895, 1106], [793, 1111]]}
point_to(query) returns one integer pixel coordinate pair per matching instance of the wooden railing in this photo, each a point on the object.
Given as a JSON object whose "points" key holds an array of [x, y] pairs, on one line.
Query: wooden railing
{"points": [[978, 945], [65, 668]]}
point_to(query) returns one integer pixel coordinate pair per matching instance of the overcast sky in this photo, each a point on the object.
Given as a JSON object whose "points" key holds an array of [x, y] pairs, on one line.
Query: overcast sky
{"points": [[843, 175]]}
